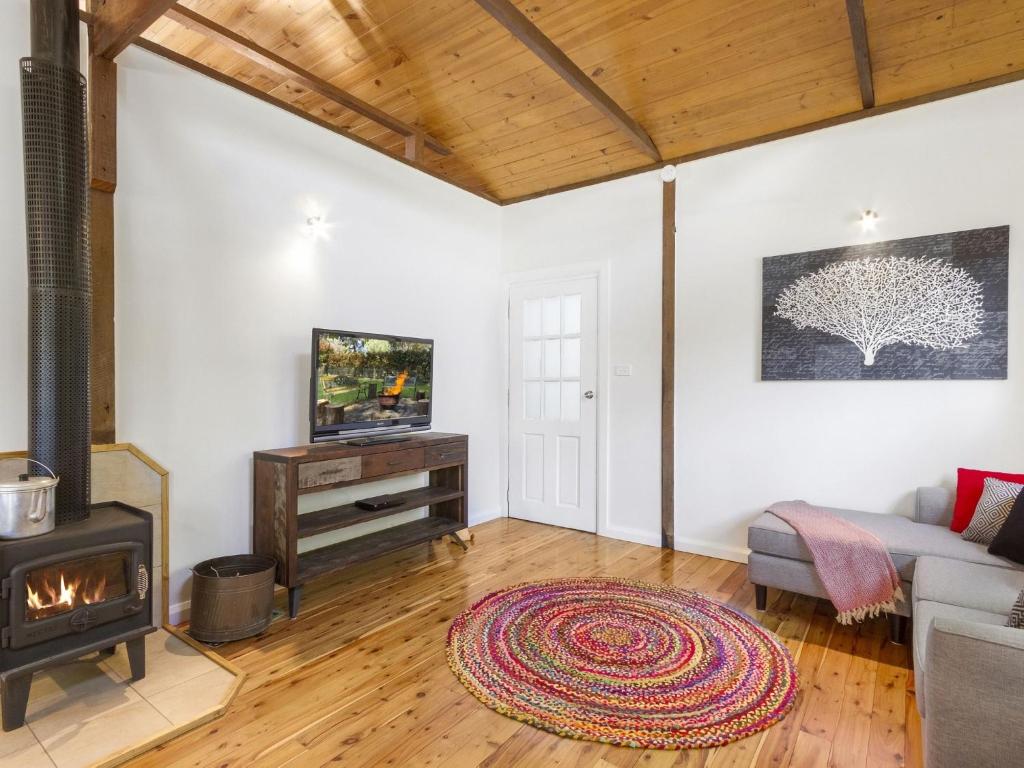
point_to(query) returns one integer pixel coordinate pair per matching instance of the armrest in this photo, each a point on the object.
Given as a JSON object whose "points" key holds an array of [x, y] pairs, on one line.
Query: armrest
{"points": [[934, 506], [974, 675]]}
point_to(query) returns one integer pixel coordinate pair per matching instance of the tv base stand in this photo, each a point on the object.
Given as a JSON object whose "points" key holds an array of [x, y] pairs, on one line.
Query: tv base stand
{"points": [[382, 440], [281, 476]]}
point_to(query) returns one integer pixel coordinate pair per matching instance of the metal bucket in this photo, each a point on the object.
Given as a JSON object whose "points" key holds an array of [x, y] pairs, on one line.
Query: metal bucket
{"points": [[232, 597], [27, 505]]}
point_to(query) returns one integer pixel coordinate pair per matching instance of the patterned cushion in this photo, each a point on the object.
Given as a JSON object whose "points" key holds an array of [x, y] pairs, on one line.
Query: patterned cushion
{"points": [[1009, 542], [993, 508], [1017, 613]]}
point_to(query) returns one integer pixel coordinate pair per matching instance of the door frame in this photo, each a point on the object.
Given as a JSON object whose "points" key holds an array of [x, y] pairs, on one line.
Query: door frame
{"points": [[592, 269]]}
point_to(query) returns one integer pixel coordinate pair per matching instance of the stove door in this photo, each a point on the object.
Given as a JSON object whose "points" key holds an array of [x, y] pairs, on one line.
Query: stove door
{"points": [[74, 592]]}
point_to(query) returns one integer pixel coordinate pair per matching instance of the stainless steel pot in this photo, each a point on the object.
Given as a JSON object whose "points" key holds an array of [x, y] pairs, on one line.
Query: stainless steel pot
{"points": [[27, 505]]}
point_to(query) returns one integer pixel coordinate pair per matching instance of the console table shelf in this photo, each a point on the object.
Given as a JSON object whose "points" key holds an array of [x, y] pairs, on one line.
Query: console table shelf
{"points": [[282, 475], [333, 518], [329, 559]]}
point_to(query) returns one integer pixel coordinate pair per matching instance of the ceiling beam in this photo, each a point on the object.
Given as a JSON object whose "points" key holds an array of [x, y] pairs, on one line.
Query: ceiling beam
{"points": [[861, 52], [265, 97], [117, 23], [414, 148], [527, 33], [270, 60]]}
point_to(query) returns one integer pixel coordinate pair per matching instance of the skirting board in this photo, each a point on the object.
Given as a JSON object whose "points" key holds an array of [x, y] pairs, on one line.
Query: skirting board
{"points": [[693, 546], [479, 518], [634, 535], [710, 549], [179, 613]]}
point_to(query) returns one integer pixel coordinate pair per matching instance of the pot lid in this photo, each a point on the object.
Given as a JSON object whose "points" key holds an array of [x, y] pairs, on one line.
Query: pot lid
{"points": [[28, 485]]}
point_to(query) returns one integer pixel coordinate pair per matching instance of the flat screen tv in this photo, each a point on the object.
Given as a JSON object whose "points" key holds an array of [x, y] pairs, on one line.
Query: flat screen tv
{"points": [[368, 384]]}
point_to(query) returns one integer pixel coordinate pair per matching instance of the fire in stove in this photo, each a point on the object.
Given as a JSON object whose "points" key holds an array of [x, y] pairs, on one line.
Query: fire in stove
{"points": [[55, 600], [58, 589]]}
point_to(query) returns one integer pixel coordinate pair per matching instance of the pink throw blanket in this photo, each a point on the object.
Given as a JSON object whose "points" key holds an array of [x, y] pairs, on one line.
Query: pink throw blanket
{"points": [[852, 563]]}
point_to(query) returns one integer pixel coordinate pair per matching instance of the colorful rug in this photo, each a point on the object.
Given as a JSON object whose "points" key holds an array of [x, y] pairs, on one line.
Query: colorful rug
{"points": [[623, 662]]}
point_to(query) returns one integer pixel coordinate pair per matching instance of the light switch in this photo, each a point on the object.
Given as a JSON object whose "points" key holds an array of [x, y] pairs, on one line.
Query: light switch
{"points": [[623, 370]]}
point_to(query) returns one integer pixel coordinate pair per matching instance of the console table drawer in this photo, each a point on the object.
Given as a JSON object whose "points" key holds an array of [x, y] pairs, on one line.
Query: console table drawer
{"points": [[317, 473], [445, 454], [389, 463]]}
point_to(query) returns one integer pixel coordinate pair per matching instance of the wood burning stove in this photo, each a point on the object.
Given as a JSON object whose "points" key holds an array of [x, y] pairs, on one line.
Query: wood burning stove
{"points": [[83, 587]]}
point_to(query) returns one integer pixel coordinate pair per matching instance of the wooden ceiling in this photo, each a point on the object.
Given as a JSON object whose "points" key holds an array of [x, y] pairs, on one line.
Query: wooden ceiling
{"points": [[697, 76]]}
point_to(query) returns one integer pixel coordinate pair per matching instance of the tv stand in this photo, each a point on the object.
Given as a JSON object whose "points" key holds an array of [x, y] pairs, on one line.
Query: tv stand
{"points": [[282, 475], [379, 440]]}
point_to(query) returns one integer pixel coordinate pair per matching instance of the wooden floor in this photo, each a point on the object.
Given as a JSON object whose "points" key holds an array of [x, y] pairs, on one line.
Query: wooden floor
{"points": [[360, 677]]}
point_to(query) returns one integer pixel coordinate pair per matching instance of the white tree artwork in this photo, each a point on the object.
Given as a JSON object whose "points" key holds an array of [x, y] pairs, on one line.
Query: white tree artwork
{"points": [[876, 302]]}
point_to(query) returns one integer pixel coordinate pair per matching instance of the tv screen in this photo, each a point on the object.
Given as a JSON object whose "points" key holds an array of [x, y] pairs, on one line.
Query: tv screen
{"points": [[366, 381]]}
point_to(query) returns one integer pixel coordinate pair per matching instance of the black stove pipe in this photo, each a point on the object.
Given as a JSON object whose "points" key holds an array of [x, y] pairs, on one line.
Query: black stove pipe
{"points": [[55, 133], [55, 34]]}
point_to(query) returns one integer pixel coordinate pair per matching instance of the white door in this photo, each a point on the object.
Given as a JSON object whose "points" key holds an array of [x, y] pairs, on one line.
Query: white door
{"points": [[553, 403]]}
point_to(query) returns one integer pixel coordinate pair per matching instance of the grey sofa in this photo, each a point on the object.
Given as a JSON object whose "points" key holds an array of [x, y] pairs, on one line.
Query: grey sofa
{"points": [[968, 666]]}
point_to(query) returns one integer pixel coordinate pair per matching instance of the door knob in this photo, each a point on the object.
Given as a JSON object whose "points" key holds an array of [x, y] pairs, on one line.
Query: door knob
{"points": [[589, 394]]}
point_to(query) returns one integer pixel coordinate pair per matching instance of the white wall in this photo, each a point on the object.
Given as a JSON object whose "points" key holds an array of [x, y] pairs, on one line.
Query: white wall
{"points": [[616, 226], [13, 257], [948, 166], [218, 288]]}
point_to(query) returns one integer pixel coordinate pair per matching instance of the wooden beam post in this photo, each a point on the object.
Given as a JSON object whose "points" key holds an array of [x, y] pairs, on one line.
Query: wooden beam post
{"points": [[668, 362], [527, 33], [861, 51], [117, 23], [103, 181], [102, 123], [102, 380]]}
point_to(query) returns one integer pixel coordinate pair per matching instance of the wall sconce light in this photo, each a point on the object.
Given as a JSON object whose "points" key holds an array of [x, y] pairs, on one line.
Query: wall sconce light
{"points": [[869, 220], [316, 228], [668, 174]]}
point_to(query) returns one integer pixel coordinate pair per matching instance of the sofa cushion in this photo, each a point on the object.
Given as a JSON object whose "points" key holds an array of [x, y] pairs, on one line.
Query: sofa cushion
{"points": [[934, 505], [792, 575], [992, 511], [924, 612], [1009, 542], [969, 485], [905, 539], [1016, 617], [967, 585]]}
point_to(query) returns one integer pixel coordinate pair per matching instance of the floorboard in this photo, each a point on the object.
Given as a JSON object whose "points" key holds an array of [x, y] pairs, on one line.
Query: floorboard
{"points": [[360, 677]]}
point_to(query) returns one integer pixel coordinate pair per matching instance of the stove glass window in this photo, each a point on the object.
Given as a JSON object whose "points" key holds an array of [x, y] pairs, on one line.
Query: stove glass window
{"points": [[66, 586]]}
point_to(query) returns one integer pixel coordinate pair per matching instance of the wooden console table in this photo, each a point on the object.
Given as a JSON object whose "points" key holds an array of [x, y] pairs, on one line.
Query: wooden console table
{"points": [[281, 476]]}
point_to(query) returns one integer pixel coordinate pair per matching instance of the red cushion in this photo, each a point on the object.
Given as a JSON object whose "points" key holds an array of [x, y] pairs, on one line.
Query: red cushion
{"points": [[969, 485]]}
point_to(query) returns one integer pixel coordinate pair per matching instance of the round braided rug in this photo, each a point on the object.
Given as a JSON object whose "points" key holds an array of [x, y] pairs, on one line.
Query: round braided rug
{"points": [[622, 662]]}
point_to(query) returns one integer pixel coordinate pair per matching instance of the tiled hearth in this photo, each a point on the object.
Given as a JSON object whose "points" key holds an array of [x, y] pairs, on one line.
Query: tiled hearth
{"points": [[91, 714]]}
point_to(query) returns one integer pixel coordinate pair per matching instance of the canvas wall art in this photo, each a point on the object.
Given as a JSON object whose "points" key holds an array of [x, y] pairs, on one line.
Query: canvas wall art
{"points": [[931, 307]]}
